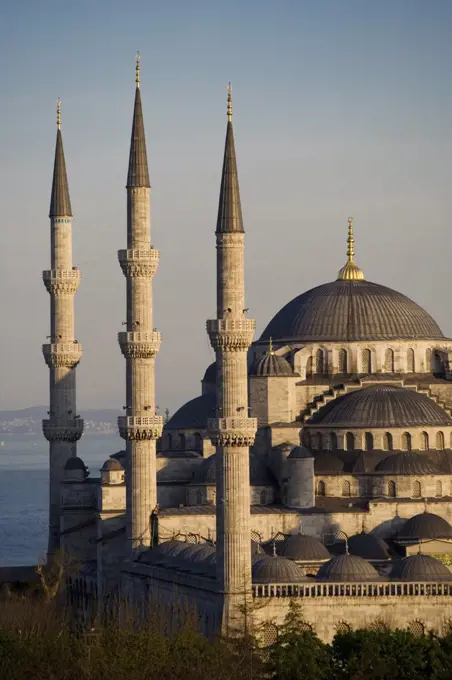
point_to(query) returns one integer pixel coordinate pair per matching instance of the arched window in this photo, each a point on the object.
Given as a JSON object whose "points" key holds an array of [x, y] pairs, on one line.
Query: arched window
{"points": [[263, 497], [321, 488], [410, 366], [416, 628], [437, 364], [309, 367], [366, 361], [438, 489], [307, 438], [269, 635], [392, 491], [182, 442], [389, 361], [428, 361], [369, 441], [346, 488], [169, 441], [319, 362], [387, 441], [333, 441], [319, 441], [350, 441], [417, 491], [424, 441], [198, 442], [406, 441], [440, 440], [343, 361], [199, 497]]}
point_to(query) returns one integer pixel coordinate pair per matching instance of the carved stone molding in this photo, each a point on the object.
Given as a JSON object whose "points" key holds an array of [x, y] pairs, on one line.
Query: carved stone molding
{"points": [[137, 345], [139, 263], [67, 354], [138, 428], [69, 430], [230, 335], [235, 239], [232, 431], [61, 281]]}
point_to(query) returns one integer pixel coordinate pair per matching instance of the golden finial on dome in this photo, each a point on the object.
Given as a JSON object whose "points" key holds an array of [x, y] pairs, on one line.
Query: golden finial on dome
{"points": [[350, 271], [229, 89], [59, 113], [137, 70], [270, 346]]}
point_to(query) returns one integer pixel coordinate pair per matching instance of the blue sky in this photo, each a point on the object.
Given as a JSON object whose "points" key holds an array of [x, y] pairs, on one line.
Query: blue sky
{"points": [[340, 108]]}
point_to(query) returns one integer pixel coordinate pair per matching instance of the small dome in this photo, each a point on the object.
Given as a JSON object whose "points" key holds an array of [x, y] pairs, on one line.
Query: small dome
{"points": [[112, 464], [420, 568], [303, 548], [75, 463], [271, 365], [368, 546], [189, 552], [407, 463], [194, 414], [425, 526], [326, 463], [273, 569], [260, 475], [210, 376], [347, 568], [202, 552], [163, 551], [299, 452]]}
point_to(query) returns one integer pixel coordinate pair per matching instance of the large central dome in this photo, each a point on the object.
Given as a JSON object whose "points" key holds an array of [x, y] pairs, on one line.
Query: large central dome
{"points": [[344, 311]]}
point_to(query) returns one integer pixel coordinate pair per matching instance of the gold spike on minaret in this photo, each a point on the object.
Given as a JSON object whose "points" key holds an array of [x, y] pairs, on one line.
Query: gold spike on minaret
{"points": [[350, 271], [59, 113], [229, 89], [270, 346], [137, 70]]}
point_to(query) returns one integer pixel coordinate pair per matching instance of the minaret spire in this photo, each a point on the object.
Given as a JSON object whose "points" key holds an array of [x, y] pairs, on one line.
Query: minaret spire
{"points": [[141, 426], [350, 271], [63, 428], [232, 432]]}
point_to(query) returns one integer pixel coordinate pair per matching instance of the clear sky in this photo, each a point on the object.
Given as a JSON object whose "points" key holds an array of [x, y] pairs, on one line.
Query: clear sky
{"points": [[341, 107]]}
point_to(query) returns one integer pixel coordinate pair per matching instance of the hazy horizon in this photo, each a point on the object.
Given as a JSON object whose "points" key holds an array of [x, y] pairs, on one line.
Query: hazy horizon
{"points": [[340, 108]]}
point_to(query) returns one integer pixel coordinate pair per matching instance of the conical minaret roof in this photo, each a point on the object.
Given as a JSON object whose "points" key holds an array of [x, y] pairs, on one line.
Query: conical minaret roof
{"points": [[60, 201], [138, 174], [229, 209]]}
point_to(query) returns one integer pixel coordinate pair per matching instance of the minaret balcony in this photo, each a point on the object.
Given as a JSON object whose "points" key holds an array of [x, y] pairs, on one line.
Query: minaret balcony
{"points": [[61, 281], [137, 428], [141, 262], [232, 431], [231, 334], [62, 354], [138, 345], [62, 429]]}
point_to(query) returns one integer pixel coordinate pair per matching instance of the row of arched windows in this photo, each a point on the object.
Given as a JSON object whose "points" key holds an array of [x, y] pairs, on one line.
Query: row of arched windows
{"points": [[317, 364], [391, 489], [320, 441]]}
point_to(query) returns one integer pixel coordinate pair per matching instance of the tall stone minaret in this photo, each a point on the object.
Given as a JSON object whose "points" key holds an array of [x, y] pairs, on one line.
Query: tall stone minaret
{"points": [[63, 428], [232, 432], [141, 426]]}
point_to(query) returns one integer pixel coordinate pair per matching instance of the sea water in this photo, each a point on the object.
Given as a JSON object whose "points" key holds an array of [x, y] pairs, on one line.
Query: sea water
{"points": [[24, 491]]}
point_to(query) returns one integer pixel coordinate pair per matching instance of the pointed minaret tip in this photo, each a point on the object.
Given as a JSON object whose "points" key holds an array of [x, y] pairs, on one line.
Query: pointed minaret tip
{"points": [[350, 271], [230, 210], [60, 202], [138, 173]]}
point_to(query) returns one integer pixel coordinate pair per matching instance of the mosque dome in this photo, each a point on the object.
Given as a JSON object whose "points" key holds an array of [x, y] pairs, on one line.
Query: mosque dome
{"points": [[381, 406], [407, 463], [425, 526], [163, 551], [420, 568], [347, 568], [368, 546], [210, 376], [75, 463], [274, 569], [299, 452], [303, 548], [271, 365], [194, 414], [260, 474], [112, 465]]}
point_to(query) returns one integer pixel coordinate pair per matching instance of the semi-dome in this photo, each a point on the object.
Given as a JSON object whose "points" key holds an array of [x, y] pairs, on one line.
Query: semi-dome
{"points": [[420, 568], [194, 414], [351, 310], [326, 463], [75, 463], [368, 546], [271, 365], [381, 406], [425, 526], [347, 568], [303, 548], [260, 475], [274, 569], [407, 463]]}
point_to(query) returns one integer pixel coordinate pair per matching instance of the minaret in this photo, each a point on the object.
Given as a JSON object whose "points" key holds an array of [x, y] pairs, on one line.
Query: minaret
{"points": [[232, 432], [141, 426], [63, 428]]}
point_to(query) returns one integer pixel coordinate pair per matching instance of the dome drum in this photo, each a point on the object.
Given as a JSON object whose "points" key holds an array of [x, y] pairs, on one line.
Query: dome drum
{"points": [[323, 438]]}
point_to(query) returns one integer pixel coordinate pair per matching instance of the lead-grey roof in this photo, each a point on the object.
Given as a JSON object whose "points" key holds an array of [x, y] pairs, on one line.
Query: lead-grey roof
{"points": [[351, 311], [229, 209], [381, 406], [60, 201], [368, 546], [420, 568], [271, 365], [210, 376], [407, 463], [424, 526], [273, 569], [75, 463], [194, 414], [302, 547], [347, 568], [138, 174]]}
